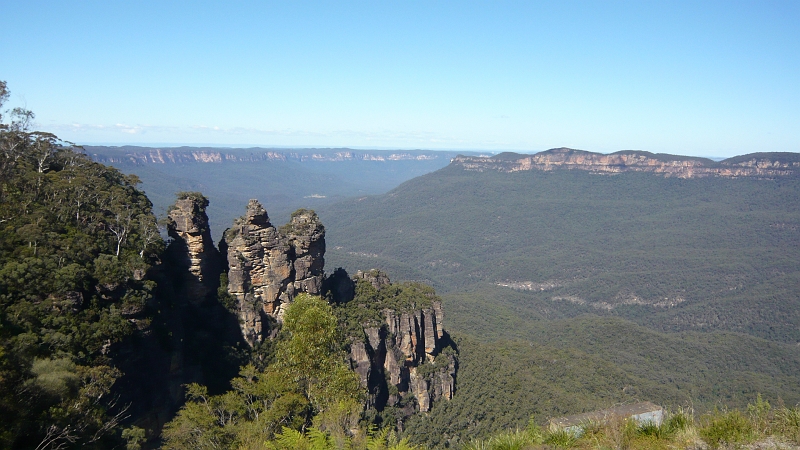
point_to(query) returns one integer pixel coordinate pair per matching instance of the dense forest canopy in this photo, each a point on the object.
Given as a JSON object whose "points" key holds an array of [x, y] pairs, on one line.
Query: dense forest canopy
{"points": [[688, 287], [76, 239], [671, 254]]}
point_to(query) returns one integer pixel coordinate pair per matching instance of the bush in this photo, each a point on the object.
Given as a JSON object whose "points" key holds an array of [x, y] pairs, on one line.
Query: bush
{"points": [[561, 439], [730, 427], [788, 423]]}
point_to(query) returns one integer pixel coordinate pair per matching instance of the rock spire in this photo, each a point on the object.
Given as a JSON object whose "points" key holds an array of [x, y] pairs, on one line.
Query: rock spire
{"points": [[268, 266], [198, 261]]}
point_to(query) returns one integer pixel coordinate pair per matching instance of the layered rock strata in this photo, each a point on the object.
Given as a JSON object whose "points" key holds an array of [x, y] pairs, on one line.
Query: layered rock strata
{"points": [[268, 266], [192, 248], [768, 165], [188, 155], [407, 355]]}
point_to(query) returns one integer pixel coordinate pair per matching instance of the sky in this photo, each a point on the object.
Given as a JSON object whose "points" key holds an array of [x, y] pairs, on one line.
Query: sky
{"points": [[701, 78]]}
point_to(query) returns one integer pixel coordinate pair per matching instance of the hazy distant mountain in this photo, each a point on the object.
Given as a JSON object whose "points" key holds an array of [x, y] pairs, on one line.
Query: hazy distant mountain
{"points": [[284, 179]]}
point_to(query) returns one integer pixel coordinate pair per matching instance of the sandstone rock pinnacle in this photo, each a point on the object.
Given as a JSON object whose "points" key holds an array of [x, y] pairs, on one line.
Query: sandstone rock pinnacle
{"points": [[192, 246], [269, 266]]}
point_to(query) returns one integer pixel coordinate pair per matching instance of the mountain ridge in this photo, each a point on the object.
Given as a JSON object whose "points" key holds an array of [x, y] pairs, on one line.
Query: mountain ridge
{"points": [[177, 155], [761, 165]]}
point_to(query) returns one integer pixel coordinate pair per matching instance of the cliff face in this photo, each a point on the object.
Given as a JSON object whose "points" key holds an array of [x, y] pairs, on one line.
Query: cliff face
{"points": [[407, 356], [770, 165], [199, 261], [267, 266], [141, 155]]}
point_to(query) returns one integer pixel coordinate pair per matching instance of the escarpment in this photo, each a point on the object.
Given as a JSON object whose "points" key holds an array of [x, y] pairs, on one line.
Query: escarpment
{"points": [[398, 344], [760, 165], [268, 266]]}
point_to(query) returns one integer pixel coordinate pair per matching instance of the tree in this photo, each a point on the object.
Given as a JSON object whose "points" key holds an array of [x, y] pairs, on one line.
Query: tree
{"points": [[75, 238], [308, 384]]}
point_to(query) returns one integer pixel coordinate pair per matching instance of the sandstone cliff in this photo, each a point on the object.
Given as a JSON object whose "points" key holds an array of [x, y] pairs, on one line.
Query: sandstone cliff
{"points": [[405, 359], [184, 155], [191, 332], [267, 266], [761, 165], [199, 262]]}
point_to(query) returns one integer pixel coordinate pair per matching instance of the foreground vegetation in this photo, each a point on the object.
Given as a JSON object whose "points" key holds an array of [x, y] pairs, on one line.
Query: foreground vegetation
{"points": [[502, 383], [760, 424], [76, 239]]}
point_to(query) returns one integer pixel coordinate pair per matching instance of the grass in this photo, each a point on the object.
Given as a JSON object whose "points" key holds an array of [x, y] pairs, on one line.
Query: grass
{"points": [[720, 428]]}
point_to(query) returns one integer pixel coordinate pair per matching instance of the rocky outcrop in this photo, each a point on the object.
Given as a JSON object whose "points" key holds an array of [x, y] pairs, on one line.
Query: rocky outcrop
{"points": [[267, 266], [408, 356], [192, 249], [414, 358], [760, 165]]}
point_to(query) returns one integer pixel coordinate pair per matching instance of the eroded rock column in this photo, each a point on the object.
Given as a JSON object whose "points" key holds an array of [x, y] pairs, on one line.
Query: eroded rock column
{"points": [[268, 266]]}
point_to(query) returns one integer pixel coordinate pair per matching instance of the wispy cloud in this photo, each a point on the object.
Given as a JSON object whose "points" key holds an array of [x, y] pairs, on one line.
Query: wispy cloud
{"points": [[115, 128], [236, 135]]}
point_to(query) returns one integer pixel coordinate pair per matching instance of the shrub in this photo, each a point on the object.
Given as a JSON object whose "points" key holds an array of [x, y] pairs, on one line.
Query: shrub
{"points": [[560, 438], [788, 423], [730, 427], [679, 421]]}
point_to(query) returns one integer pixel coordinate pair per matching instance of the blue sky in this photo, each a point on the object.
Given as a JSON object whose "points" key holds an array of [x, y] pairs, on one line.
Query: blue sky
{"points": [[694, 78]]}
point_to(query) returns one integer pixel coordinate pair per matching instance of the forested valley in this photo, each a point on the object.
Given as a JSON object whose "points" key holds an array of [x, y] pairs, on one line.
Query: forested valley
{"points": [[556, 293]]}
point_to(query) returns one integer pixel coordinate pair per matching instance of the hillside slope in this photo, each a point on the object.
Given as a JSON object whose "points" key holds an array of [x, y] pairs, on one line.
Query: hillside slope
{"points": [[668, 253]]}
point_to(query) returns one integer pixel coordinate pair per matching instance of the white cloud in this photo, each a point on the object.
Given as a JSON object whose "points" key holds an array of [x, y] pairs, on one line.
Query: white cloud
{"points": [[122, 133]]}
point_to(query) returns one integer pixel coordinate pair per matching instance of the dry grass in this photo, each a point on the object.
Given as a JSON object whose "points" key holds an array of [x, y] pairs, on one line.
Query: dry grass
{"points": [[760, 427]]}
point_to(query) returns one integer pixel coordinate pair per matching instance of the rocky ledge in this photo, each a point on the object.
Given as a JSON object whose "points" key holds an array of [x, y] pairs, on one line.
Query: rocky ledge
{"points": [[760, 165], [407, 356]]}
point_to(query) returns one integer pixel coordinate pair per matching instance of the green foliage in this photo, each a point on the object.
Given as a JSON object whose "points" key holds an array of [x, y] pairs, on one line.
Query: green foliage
{"points": [[716, 429], [561, 439], [670, 254], [759, 413], [312, 353], [56, 377], [511, 440], [700, 274], [224, 297], [197, 197], [574, 366], [76, 240], [787, 423], [313, 439], [295, 228], [679, 421], [366, 308], [308, 383], [256, 408], [729, 427], [134, 437], [384, 439]]}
